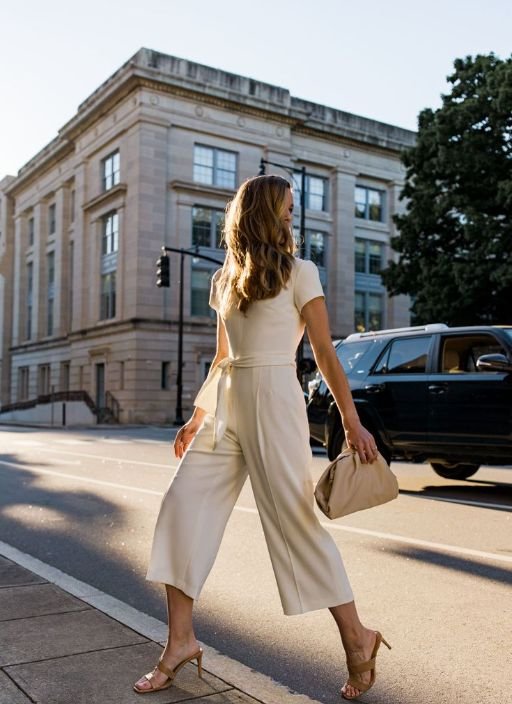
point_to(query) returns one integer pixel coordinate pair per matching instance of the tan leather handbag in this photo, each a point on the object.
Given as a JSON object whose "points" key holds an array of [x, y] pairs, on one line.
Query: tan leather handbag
{"points": [[348, 485]]}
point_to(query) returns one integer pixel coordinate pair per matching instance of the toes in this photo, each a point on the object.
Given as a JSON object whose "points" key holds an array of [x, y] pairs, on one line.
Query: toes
{"points": [[350, 692], [143, 683]]}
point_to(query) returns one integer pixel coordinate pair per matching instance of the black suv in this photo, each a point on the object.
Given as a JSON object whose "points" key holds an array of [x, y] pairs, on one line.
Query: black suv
{"points": [[432, 393]]}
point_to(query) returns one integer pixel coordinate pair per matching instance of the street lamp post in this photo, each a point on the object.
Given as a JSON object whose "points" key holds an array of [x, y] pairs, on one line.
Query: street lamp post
{"points": [[179, 420]]}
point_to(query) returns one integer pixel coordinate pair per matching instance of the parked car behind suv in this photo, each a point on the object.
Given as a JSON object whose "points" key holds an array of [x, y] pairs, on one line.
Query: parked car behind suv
{"points": [[431, 393]]}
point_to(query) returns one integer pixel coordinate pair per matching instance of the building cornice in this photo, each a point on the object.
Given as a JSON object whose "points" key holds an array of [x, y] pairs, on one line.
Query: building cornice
{"points": [[183, 78], [115, 327]]}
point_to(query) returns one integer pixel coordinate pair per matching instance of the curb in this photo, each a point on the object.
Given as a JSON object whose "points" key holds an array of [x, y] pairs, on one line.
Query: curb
{"points": [[242, 678]]}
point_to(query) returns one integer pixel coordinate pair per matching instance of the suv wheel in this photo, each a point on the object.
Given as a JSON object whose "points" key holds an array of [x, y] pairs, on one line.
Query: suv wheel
{"points": [[337, 442], [455, 471]]}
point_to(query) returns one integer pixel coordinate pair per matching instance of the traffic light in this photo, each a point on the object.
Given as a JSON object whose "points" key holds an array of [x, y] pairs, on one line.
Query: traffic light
{"points": [[163, 273]]}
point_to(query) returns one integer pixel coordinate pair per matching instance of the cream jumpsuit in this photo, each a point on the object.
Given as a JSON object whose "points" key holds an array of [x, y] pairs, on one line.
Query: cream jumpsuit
{"points": [[256, 425]]}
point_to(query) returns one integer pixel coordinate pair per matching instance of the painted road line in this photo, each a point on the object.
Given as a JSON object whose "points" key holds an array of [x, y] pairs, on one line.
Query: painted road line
{"points": [[464, 502], [330, 526], [104, 458], [407, 541], [239, 676], [85, 480]]}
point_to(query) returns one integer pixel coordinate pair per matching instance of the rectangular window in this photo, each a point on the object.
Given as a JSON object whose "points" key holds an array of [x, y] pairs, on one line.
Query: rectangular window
{"points": [[369, 204], [207, 227], [50, 267], [215, 167], [316, 192], [52, 219], [43, 381], [375, 311], [23, 381], [368, 311], [368, 256], [108, 296], [30, 295], [315, 247], [359, 312], [72, 206], [360, 256], [31, 231], [110, 234], [375, 250], [200, 292], [121, 376], [164, 377], [111, 171]]}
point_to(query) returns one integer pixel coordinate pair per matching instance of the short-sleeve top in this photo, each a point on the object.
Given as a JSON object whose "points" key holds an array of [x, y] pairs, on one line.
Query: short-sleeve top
{"points": [[272, 328]]}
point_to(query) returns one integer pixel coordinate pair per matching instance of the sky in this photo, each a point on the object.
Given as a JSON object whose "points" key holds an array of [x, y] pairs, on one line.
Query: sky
{"points": [[386, 60]]}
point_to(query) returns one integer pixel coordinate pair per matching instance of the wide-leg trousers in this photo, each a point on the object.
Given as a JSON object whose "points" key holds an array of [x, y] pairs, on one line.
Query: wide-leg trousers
{"points": [[267, 438]]}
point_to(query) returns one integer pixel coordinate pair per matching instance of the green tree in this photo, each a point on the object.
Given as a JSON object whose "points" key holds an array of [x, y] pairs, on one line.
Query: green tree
{"points": [[455, 237]]}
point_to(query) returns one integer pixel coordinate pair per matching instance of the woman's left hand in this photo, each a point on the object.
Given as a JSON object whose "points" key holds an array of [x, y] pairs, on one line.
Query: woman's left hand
{"points": [[185, 435], [362, 441]]}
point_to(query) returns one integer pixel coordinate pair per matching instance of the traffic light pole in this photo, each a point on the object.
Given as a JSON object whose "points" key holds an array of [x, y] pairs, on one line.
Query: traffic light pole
{"points": [[179, 376], [179, 420]]}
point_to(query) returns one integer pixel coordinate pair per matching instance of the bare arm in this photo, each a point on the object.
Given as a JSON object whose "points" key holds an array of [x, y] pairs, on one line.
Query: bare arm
{"points": [[317, 324], [186, 434]]}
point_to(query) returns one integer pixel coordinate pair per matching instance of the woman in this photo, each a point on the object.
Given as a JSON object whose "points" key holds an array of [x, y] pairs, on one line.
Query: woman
{"points": [[250, 418]]}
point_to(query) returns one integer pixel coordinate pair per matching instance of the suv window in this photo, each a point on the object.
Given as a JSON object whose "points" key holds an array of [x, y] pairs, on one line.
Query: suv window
{"points": [[460, 352], [405, 356], [352, 354]]}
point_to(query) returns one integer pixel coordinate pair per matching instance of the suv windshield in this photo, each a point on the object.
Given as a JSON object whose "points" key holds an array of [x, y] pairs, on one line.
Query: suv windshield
{"points": [[352, 355]]}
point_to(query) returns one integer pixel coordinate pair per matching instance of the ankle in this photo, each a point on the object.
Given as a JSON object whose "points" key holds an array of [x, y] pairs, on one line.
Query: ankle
{"points": [[181, 641], [356, 638]]}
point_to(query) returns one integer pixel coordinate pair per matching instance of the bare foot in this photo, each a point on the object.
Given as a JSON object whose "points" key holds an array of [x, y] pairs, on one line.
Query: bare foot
{"points": [[356, 654], [171, 657]]}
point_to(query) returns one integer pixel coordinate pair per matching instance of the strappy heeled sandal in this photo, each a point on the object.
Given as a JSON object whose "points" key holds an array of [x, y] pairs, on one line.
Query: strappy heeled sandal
{"points": [[171, 674], [368, 666]]}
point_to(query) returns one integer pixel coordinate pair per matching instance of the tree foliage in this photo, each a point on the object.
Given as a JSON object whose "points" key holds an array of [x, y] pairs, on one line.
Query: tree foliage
{"points": [[455, 236]]}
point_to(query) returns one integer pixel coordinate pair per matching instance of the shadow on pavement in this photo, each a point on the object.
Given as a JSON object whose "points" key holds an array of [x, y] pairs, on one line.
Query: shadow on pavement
{"points": [[477, 491], [473, 567]]}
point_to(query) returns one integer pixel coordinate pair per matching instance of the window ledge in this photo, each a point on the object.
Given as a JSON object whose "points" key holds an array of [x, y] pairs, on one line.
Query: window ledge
{"points": [[364, 224], [203, 188], [106, 196]]}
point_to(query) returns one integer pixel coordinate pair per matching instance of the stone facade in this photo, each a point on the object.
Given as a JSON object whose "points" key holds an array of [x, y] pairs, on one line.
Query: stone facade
{"points": [[123, 177]]}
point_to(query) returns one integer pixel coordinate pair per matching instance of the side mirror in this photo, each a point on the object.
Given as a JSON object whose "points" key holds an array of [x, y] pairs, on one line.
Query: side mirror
{"points": [[493, 363]]}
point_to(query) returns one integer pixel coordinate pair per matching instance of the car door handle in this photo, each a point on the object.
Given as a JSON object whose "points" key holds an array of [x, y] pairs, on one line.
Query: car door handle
{"points": [[438, 388], [374, 388]]}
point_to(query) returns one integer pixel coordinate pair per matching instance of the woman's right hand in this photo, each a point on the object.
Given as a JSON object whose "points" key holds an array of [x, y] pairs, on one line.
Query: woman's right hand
{"points": [[185, 435]]}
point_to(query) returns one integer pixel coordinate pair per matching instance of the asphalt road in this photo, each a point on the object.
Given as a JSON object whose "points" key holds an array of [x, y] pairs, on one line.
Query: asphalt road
{"points": [[432, 570]]}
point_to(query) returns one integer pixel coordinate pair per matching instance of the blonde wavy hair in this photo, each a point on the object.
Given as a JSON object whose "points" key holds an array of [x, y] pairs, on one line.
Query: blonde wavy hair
{"points": [[260, 246]]}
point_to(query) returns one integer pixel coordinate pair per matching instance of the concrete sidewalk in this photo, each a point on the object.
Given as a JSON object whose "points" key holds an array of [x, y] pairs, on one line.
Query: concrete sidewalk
{"points": [[58, 648]]}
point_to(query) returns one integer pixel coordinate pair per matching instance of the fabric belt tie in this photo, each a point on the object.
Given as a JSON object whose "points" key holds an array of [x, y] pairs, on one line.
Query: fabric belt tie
{"points": [[212, 394]]}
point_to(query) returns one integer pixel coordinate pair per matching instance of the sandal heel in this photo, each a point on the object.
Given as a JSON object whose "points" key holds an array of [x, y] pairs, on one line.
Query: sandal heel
{"points": [[200, 664], [385, 642]]}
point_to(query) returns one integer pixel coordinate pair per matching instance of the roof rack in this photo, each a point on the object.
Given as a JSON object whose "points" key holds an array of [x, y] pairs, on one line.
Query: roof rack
{"points": [[431, 327]]}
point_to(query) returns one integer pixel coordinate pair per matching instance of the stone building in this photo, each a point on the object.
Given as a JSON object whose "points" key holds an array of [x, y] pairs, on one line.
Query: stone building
{"points": [[151, 158]]}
